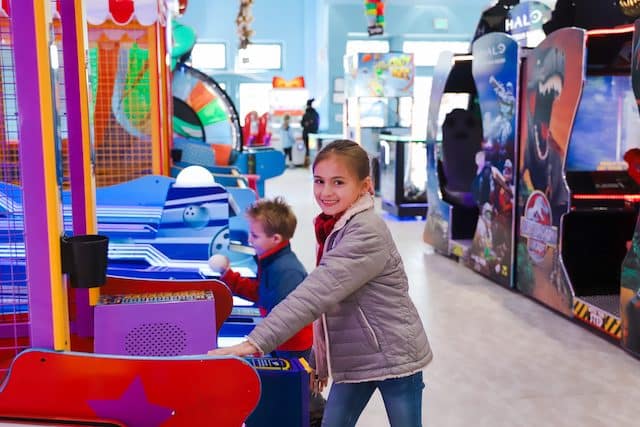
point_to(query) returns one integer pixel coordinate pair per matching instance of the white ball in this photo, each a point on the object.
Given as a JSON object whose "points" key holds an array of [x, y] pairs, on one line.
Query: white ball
{"points": [[218, 263], [194, 176]]}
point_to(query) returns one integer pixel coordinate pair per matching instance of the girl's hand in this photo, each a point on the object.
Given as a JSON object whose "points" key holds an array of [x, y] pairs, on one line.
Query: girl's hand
{"points": [[317, 384], [245, 348]]}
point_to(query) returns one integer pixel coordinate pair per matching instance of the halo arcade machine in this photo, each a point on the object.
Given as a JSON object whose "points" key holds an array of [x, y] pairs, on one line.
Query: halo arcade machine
{"points": [[454, 136]]}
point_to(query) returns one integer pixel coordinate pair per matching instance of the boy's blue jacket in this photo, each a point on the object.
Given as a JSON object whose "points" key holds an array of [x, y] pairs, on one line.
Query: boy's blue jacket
{"points": [[279, 272]]}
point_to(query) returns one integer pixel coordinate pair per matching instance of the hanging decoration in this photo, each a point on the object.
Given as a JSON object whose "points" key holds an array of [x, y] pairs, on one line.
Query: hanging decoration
{"points": [[243, 21], [374, 10], [182, 7]]}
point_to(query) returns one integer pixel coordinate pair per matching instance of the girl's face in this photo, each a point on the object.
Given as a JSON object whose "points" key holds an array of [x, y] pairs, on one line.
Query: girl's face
{"points": [[335, 186]]}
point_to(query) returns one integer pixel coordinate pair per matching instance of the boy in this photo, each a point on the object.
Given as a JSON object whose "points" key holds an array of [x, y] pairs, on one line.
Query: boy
{"points": [[271, 226]]}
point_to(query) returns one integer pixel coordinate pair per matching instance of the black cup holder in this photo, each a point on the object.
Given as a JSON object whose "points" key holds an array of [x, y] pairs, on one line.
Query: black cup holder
{"points": [[84, 259]]}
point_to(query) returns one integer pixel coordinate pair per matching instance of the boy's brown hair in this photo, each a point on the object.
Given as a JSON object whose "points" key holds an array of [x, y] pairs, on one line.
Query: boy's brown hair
{"points": [[275, 215]]}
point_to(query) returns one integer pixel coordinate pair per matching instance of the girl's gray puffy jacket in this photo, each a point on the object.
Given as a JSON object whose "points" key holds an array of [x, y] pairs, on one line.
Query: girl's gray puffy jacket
{"points": [[372, 329]]}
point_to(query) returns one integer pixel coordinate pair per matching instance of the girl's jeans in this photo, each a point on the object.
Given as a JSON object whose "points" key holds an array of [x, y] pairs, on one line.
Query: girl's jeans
{"points": [[402, 399]]}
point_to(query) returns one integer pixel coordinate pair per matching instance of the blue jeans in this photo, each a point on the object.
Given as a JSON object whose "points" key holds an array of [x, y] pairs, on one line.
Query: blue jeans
{"points": [[402, 399]]}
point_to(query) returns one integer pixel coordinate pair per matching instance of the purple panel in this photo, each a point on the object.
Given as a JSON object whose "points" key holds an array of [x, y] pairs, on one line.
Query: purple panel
{"points": [[34, 182], [155, 328], [83, 325], [72, 75]]}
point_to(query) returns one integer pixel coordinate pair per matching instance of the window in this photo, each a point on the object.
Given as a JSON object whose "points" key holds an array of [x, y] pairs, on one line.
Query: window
{"points": [[254, 97], [367, 46], [259, 57], [426, 53], [209, 56]]}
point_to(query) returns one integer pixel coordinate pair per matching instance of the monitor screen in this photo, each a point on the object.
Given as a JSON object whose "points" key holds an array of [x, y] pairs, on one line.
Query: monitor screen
{"points": [[607, 124], [374, 112], [379, 112]]}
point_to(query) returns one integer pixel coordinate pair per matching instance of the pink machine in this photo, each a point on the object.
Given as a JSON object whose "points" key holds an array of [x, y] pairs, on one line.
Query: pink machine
{"points": [[256, 129]]}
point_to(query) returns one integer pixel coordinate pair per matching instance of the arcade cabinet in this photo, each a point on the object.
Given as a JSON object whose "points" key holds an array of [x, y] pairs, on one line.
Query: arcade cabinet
{"points": [[630, 280], [495, 69], [379, 99], [471, 166], [578, 205], [403, 175], [454, 136], [524, 20]]}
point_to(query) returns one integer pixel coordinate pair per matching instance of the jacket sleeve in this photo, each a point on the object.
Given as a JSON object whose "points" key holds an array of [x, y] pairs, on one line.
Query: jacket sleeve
{"points": [[241, 286], [358, 257]]}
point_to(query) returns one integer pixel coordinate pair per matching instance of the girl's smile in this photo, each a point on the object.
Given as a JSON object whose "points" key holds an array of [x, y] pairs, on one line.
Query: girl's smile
{"points": [[335, 186]]}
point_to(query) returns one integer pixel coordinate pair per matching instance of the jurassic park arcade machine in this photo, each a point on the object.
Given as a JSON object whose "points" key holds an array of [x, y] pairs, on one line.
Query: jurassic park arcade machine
{"points": [[630, 283], [577, 204]]}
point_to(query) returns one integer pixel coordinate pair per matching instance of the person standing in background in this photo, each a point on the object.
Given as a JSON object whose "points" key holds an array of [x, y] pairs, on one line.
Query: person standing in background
{"points": [[286, 137], [310, 123]]}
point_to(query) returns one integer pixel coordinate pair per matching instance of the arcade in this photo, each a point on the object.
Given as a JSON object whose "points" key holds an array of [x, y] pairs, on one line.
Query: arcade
{"points": [[138, 297], [555, 221]]}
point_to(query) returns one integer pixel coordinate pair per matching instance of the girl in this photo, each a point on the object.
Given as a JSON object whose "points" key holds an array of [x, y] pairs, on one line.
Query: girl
{"points": [[368, 334], [286, 137]]}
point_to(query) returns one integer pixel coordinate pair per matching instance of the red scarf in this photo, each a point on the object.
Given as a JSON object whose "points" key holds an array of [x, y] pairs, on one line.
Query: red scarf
{"points": [[324, 225]]}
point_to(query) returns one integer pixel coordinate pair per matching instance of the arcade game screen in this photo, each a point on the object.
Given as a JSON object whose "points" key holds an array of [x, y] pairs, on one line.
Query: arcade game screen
{"points": [[374, 112], [606, 125], [381, 112]]}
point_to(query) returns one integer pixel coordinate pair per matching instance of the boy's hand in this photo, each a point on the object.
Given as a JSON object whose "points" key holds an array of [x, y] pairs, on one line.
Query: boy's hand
{"points": [[219, 263], [245, 348]]}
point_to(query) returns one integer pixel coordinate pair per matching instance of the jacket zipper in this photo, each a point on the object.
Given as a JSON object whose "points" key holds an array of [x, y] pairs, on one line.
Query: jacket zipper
{"points": [[326, 343]]}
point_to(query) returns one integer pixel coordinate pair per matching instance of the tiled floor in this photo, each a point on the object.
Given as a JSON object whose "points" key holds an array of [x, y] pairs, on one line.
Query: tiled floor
{"points": [[501, 359]]}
